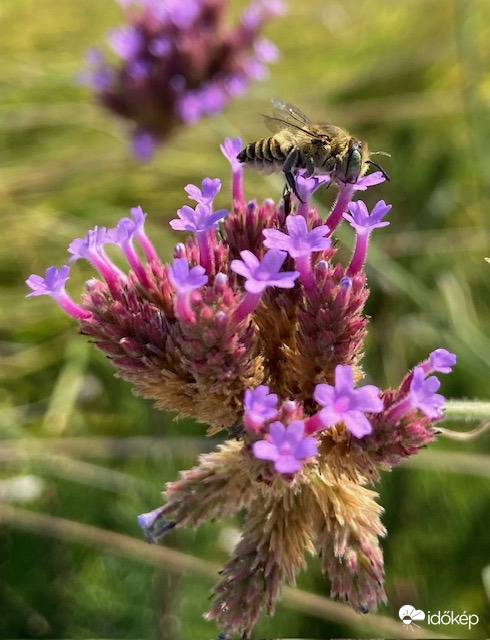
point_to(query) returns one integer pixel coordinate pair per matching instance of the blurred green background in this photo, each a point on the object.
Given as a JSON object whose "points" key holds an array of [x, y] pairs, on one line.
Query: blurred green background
{"points": [[81, 456]]}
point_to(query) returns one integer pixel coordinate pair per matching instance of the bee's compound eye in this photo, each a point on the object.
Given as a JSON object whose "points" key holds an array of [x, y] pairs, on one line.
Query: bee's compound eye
{"points": [[354, 164]]}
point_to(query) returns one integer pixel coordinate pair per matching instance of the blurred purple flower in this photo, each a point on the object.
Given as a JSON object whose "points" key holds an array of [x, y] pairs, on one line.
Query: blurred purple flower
{"points": [[144, 145], [178, 63], [260, 406]]}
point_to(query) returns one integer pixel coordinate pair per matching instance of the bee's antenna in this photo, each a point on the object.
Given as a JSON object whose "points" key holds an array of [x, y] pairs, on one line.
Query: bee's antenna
{"points": [[385, 175], [380, 153]]}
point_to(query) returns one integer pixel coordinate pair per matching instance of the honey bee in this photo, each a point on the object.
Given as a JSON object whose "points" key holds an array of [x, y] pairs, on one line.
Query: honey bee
{"points": [[298, 143]]}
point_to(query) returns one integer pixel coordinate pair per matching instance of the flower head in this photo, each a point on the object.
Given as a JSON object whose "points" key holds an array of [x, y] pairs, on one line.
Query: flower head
{"points": [[189, 337], [343, 403], [265, 273], [287, 446], [177, 63]]}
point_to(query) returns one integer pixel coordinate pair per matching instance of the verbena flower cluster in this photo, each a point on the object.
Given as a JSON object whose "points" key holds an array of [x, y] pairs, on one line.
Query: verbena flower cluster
{"points": [[177, 62], [258, 329]]}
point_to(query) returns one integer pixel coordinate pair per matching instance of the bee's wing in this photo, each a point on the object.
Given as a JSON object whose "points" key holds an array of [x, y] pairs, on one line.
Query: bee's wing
{"points": [[290, 113]]}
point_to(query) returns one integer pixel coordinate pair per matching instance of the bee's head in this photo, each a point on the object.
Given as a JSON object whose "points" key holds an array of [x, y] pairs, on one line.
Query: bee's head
{"points": [[354, 162]]}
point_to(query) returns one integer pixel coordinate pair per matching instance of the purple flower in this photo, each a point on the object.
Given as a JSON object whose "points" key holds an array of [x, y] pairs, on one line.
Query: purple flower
{"points": [[179, 60], [360, 219], [442, 361], [200, 219], [369, 181], [154, 525], [206, 195], [286, 446], [160, 47], [260, 275], [259, 11], [181, 14], [230, 149], [139, 217], [260, 406], [343, 403], [144, 145], [125, 41], [307, 186], [423, 394], [184, 279], [89, 247], [97, 75], [147, 520], [266, 51], [52, 284], [300, 242]]}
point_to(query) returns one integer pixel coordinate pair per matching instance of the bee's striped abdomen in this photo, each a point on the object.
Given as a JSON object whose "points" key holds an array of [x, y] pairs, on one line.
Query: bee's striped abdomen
{"points": [[264, 152]]}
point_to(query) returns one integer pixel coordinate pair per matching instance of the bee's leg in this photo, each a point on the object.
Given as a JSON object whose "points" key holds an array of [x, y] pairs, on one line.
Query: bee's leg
{"points": [[289, 164], [286, 196], [310, 167]]}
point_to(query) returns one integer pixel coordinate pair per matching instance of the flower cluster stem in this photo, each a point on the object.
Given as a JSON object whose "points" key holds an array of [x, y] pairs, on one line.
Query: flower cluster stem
{"points": [[359, 256], [246, 306], [345, 196]]}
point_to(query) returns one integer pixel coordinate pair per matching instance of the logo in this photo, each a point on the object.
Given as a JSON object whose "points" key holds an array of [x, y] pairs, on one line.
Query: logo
{"points": [[408, 615]]}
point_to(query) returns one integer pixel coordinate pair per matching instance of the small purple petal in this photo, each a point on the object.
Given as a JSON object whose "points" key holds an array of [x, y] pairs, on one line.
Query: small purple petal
{"points": [[265, 450], [369, 181]]}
